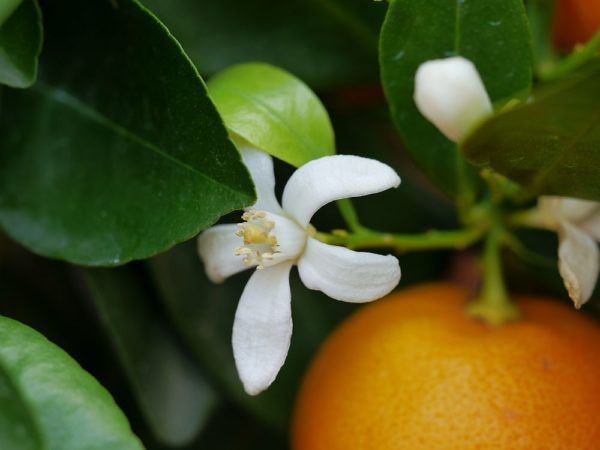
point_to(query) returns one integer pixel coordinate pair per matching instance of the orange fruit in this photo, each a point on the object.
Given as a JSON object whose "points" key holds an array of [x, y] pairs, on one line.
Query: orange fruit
{"points": [[575, 22], [413, 372]]}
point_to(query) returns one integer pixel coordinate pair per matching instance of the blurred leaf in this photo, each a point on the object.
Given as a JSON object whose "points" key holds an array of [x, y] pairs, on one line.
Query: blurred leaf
{"points": [[174, 396], [541, 14], [550, 143], [249, 434], [48, 402], [494, 34], [325, 43], [7, 7], [117, 153], [20, 45], [274, 111], [580, 56], [17, 427], [204, 313]]}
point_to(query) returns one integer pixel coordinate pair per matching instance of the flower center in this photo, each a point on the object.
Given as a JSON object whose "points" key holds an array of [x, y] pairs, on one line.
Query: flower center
{"points": [[260, 242]]}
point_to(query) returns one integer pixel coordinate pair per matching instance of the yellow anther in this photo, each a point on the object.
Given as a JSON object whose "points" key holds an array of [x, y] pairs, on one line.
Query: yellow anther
{"points": [[253, 234], [260, 243]]}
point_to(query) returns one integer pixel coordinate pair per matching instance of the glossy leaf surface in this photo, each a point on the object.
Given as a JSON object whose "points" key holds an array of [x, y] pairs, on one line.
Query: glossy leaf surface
{"points": [[494, 34], [20, 44], [274, 111], [7, 7], [550, 143], [174, 396], [48, 402], [117, 153]]}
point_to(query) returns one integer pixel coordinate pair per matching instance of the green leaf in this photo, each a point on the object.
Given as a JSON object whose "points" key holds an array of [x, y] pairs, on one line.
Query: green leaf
{"points": [[325, 43], [493, 34], [173, 394], [23, 436], [117, 153], [20, 45], [541, 21], [578, 58], [7, 8], [550, 143], [274, 111], [249, 434], [48, 402]]}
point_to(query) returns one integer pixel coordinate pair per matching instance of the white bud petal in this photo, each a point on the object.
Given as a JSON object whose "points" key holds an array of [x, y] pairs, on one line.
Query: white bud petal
{"points": [[450, 94], [592, 225], [578, 262], [566, 208]]}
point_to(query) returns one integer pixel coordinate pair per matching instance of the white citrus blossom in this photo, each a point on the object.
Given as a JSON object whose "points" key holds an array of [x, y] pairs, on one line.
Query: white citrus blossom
{"points": [[577, 223], [450, 94], [273, 238]]}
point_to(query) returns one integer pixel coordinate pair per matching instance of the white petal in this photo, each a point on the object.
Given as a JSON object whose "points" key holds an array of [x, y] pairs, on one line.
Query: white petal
{"points": [[347, 275], [450, 94], [216, 247], [260, 166], [592, 225], [289, 238], [330, 178], [570, 209], [263, 327], [578, 262]]}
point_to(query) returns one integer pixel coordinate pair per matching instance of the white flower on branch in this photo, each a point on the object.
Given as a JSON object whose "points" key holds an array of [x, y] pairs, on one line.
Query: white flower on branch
{"points": [[450, 94], [577, 223], [273, 238]]}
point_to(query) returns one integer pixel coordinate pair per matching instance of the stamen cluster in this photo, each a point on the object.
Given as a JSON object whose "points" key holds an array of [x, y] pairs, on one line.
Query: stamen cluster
{"points": [[260, 242]]}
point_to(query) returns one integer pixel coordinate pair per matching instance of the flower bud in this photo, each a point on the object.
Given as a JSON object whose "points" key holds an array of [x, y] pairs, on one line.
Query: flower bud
{"points": [[450, 94]]}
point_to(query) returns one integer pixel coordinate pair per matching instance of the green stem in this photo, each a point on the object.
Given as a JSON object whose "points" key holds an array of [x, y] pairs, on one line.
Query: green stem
{"points": [[529, 218], [430, 240], [501, 188], [493, 305], [576, 59], [349, 214]]}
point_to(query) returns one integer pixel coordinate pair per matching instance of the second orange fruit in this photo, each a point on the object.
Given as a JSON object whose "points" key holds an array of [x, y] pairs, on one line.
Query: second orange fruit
{"points": [[576, 21], [413, 372]]}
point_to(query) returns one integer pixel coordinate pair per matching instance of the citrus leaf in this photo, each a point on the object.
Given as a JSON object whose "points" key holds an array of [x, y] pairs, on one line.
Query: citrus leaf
{"points": [[173, 394], [540, 14], [17, 426], [20, 45], [493, 34], [274, 111], [48, 402], [325, 43], [550, 143], [117, 153], [7, 7]]}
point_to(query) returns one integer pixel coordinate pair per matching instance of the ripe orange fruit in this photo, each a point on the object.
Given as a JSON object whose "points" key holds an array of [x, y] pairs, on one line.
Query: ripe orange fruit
{"points": [[576, 21], [413, 372]]}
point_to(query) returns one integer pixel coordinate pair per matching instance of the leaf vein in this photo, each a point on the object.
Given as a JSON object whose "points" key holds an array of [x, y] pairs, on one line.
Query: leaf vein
{"points": [[266, 108], [67, 99]]}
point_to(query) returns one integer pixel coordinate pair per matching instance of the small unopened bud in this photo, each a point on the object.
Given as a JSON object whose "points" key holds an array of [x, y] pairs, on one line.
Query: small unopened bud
{"points": [[450, 94]]}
